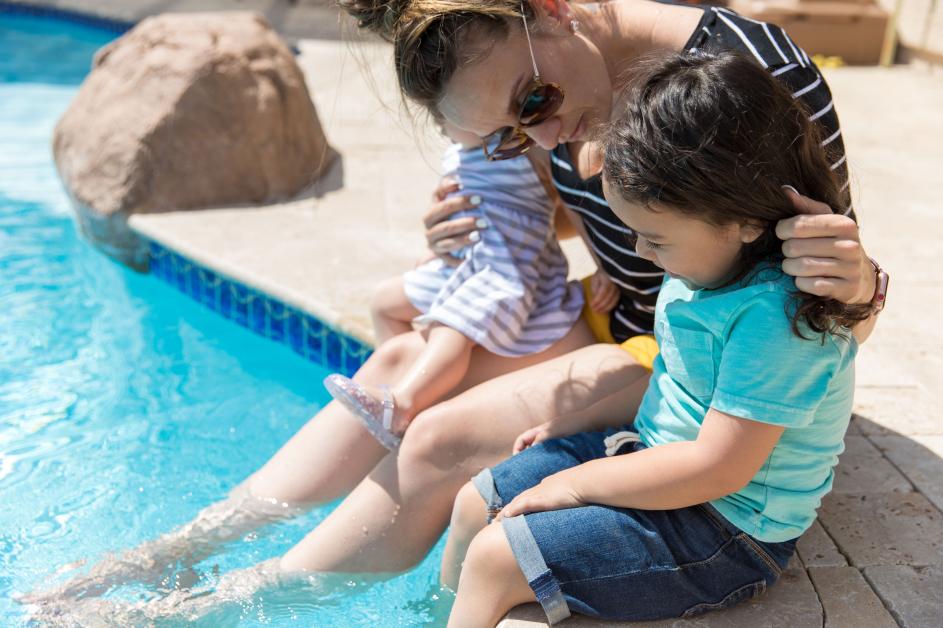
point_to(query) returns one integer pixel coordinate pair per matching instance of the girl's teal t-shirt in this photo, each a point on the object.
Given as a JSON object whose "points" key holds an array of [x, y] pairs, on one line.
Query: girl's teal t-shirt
{"points": [[733, 349]]}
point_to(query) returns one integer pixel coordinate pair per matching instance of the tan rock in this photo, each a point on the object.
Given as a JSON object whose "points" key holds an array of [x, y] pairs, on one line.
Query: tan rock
{"points": [[183, 112]]}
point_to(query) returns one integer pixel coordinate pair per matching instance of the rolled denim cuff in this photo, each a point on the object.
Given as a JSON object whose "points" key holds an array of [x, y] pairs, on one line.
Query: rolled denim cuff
{"points": [[484, 482], [535, 570]]}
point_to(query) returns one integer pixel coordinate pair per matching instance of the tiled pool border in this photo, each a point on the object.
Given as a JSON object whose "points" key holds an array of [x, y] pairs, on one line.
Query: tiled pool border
{"points": [[258, 312], [24, 8]]}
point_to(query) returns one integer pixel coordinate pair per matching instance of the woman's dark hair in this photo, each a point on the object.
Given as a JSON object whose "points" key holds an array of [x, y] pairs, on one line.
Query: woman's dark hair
{"points": [[433, 38], [714, 135]]}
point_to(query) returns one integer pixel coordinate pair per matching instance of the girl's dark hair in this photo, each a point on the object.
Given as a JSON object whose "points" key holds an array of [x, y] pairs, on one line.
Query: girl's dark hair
{"points": [[714, 135]]}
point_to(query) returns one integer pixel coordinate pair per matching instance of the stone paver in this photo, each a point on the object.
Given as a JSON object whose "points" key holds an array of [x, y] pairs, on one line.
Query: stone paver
{"points": [[913, 595], [921, 458], [817, 549], [848, 600], [862, 468], [884, 528]]}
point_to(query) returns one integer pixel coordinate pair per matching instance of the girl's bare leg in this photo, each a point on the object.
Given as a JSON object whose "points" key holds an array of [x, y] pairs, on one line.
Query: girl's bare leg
{"points": [[469, 517], [321, 462], [391, 520], [469, 513], [391, 311], [491, 583]]}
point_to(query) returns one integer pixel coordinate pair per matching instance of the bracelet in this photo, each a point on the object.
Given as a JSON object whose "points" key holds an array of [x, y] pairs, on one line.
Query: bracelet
{"points": [[881, 281]]}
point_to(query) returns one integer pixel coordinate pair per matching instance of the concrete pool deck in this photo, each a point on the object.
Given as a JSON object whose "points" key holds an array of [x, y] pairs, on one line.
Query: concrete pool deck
{"points": [[875, 556]]}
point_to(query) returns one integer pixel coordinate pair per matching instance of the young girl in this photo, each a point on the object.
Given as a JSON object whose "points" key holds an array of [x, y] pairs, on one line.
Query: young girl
{"points": [[507, 292], [733, 445]]}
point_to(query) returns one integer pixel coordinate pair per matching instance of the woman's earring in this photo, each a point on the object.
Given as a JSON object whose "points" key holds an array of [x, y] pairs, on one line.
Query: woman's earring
{"points": [[574, 25]]}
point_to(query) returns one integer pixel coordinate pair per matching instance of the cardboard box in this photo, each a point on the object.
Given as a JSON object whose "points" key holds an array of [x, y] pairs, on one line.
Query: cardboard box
{"points": [[850, 29]]}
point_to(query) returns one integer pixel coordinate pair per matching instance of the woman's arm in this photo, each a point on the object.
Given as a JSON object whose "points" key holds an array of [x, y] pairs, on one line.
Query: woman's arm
{"points": [[824, 253], [727, 454]]}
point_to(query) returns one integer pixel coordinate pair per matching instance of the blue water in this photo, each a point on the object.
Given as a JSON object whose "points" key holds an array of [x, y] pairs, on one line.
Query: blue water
{"points": [[125, 408]]}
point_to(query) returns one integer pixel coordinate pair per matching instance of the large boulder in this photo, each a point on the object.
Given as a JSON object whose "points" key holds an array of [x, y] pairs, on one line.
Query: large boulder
{"points": [[187, 111]]}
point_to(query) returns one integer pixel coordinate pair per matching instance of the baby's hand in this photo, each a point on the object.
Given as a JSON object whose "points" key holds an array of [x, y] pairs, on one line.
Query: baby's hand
{"points": [[605, 294]]}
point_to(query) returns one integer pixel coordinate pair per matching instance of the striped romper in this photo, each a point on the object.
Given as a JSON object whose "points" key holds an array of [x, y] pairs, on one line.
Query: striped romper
{"points": [[510, 294], [638, 279]]}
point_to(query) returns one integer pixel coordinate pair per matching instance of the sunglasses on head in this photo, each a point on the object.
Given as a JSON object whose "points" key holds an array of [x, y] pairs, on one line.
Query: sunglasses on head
{"points": [[541, 102]]}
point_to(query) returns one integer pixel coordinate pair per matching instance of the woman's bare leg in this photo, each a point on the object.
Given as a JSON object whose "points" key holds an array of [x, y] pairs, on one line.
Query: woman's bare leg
{"points": [[389, 522], [322, 461], [491, 583]]}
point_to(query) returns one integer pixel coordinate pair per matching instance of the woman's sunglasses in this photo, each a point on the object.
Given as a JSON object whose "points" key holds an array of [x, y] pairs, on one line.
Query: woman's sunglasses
{"points": [[540, 104]]}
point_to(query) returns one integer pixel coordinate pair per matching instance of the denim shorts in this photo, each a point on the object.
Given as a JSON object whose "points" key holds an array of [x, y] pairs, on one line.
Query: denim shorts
{"points": [[622, 563]]}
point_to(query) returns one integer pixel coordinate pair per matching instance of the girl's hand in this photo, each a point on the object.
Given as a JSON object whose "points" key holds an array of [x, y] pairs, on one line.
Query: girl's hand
{"points": [[823, 252], [554, 492], [605, 294], [533, 436], [444, 235]]}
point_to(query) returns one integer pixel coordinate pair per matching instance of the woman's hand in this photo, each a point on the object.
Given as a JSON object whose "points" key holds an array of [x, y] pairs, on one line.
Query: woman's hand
{"points": [[824, 253], [605, 294], [555, 492], [446, 236]]}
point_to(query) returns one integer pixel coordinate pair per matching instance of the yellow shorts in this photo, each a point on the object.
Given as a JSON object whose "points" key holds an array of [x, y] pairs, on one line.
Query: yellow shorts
{"points": [[642, 348]]}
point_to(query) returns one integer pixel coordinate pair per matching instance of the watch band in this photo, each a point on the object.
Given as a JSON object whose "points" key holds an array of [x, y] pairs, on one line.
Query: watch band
{"points": [[881, 281]]}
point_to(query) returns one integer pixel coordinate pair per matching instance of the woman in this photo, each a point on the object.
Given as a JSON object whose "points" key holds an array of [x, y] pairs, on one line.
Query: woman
{"points": [[471, 62]]}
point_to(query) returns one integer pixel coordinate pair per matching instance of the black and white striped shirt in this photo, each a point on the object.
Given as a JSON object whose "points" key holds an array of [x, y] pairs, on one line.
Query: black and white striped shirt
{"points": [[638, 279]]}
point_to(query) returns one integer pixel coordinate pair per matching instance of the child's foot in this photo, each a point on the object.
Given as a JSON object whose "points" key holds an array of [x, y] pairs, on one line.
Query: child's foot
{"points": [[375, 407]]}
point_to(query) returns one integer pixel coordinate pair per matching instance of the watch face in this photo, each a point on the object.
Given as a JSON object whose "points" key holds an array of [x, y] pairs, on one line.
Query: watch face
{"points": [[880, 290]]}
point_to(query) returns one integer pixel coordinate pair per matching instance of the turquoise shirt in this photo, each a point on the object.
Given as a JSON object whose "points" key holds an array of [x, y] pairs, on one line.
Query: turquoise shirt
{"points": [[733, 350]]}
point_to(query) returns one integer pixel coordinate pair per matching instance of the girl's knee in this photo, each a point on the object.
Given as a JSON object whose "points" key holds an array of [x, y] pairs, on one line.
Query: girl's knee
{"points": [[469, 513], [490, 554]]}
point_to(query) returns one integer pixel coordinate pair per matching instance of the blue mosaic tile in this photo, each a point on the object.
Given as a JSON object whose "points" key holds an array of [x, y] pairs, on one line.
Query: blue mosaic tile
{"points": [[314, 340], [276, 329], [257, 317], [334, 352], [262, 314], [295, 329], [240, 304]]}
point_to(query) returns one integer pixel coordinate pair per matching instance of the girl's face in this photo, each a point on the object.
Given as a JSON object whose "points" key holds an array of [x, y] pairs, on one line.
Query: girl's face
{"points": [[700, 254], [486, 95]]}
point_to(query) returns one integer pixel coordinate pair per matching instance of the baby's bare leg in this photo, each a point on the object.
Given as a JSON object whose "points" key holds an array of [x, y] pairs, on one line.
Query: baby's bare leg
{"points": [[435, 373]]}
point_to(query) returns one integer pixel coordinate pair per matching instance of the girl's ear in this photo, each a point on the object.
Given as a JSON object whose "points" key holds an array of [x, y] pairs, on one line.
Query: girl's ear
{"points": [[750, 231]]}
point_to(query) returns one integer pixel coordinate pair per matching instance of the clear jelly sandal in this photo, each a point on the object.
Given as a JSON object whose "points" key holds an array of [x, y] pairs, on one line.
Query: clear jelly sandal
{"points": [[376, 415]]}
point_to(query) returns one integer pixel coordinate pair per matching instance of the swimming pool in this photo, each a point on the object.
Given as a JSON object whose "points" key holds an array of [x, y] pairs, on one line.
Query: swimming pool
{"points": [[126, 407]]}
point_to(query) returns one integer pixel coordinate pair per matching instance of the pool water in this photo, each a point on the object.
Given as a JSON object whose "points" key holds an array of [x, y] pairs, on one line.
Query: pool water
{"points": [[125, 408]]}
